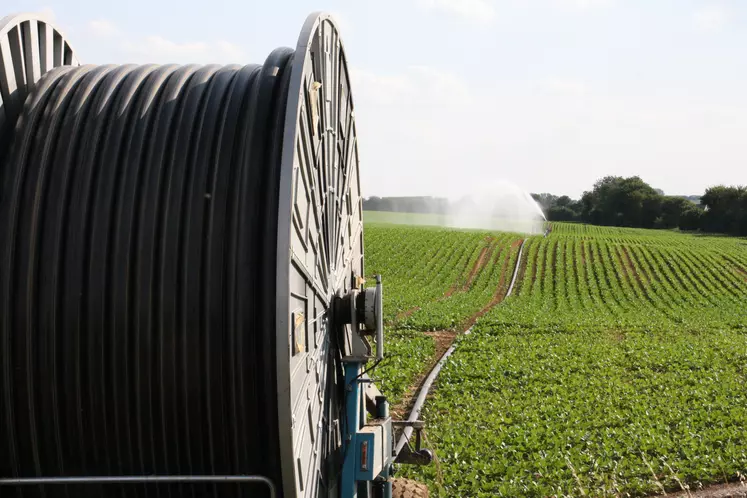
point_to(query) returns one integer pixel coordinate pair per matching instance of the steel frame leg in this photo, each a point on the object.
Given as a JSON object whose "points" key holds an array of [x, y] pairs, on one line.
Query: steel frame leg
{"points": [[349, 486]]}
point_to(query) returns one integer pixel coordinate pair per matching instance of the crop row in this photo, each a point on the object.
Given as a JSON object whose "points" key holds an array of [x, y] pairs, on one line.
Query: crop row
{"points": [[594, 282], [419, 265], [436, 279]]}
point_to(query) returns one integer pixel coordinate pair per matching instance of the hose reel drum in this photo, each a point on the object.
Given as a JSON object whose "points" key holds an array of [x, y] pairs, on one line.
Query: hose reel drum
{"points": [[172, 243]]}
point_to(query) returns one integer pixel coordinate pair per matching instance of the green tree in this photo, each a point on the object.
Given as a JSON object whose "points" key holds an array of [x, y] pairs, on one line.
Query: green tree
{"points": [[671, 210], [691, 218], [619, 201], [725, 210]]}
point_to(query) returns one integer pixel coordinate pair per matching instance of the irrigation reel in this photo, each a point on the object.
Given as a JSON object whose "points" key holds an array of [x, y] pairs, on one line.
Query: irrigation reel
{"points": [[182, 304]]}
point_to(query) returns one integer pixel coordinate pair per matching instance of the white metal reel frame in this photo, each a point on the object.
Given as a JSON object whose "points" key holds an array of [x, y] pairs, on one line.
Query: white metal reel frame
{"points": [[320, 252], [29, 47]]}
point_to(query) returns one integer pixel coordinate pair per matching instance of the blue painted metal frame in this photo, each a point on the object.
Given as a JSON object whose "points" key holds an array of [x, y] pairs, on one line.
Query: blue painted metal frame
{"points": [[360, 473], [355, 419], [353, 413]]}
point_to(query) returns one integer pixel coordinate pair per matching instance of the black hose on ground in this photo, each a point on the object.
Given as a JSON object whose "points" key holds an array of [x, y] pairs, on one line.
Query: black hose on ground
{"points": [[138, 221]]}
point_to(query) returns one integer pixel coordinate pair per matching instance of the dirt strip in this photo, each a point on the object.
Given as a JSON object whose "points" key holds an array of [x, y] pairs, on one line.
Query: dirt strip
{"points": [[733, 490], [482, 260]]}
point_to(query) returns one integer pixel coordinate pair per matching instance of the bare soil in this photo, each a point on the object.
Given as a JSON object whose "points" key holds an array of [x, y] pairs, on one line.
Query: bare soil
{"points": [[407, 488], [629, 264], [738, 268], [624, 270], [482, 260], [500, 293], [583, 253], [733, 490], [618, 335], [741, 272]]}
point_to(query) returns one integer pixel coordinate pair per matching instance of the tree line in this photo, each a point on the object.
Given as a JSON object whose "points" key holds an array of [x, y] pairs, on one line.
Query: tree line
{"points": [[631, 202]]}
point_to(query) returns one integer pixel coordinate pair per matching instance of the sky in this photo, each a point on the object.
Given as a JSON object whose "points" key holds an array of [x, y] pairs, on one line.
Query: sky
{"points": [[455, 95]]}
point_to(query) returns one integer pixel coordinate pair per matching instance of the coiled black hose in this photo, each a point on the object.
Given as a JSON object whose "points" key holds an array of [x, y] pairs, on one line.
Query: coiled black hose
{"points": [[138, 224]]}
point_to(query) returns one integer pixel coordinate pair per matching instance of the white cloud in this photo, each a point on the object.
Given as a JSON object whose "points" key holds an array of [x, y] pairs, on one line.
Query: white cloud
{"points": [[710, 18], [157, 49], [419, 119], [584, 4], [478, 11], [418, 85], [440, 84], [427, 131], [103, 28], [381, 88], [560, 86], [230, 52], [48, 13]]}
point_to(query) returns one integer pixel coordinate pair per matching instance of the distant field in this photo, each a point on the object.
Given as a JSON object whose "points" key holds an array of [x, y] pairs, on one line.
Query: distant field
{"points": [[403, 218], [464, 220], [621, 355]]}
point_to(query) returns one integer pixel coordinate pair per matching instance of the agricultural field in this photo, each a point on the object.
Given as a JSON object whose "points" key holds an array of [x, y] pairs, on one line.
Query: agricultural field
{"points": [[617, 367]]}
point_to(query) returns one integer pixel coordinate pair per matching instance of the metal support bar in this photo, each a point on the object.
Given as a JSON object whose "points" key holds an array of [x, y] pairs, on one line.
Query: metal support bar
{"points": [[415, 424], [353, 412], [387, 491], [28, 481], [379, 306], [383, 488], [411, 456], [407, 454], [382, 407]]}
